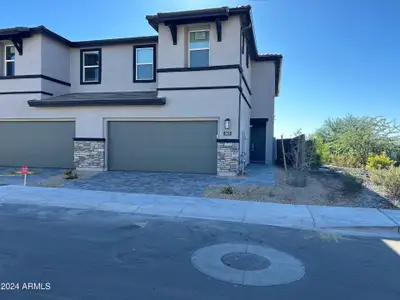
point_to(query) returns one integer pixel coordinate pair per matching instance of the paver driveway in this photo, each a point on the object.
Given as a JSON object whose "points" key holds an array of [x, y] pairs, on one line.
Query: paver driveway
{"points": [[178, 184]]}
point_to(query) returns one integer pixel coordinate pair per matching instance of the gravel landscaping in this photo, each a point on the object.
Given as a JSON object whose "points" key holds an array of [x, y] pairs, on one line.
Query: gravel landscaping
{"points": [[324, 187]]}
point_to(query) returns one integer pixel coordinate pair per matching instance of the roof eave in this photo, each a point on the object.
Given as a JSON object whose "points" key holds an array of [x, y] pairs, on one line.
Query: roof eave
{"points": [[117, 41], [186, 17], [16, 32], [43, 30], [152, 20], [113, 102]]}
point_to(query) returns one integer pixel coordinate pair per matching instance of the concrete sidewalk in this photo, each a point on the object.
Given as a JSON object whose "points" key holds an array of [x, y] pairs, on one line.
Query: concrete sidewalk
{"points": [[357, 220]]}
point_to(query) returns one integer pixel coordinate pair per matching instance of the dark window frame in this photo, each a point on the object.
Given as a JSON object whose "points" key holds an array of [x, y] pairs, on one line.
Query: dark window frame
{"points": [[247, 54], [243, 42], [7, 61], [81, 65], [192, 50], [135, 47]]}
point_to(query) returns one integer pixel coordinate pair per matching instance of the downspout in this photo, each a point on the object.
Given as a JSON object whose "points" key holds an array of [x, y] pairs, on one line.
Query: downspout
{"points": [[242, 30]]}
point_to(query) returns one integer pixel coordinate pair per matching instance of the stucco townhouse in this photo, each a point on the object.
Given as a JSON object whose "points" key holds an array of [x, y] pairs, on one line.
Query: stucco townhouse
{"points": [[197, 97]]}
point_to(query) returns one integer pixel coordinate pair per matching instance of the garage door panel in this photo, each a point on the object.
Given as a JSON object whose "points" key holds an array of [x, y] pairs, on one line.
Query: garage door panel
{"points": [[188, 146], [37, 144]]}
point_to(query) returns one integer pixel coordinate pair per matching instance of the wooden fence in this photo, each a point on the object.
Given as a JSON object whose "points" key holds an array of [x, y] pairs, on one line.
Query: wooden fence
{"points": [[294, 149]]}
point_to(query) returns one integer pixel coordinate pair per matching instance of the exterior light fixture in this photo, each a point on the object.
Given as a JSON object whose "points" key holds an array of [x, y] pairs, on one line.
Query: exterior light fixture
{"points": [[227, 123]]}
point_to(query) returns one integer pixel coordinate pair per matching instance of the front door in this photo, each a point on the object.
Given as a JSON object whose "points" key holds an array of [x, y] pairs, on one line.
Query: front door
{"points": [[257, 142]]}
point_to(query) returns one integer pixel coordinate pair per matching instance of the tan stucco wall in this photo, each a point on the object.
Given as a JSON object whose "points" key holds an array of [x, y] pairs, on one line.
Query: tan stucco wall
{"points": [[27, 64], [245, 110], [55, 59], [24, 84], [41, 56], [198, 104], [58, 61], [225, 52], [31, 61], [245, 130], [2, 67], [246, 73], [263, 99], [54, 88], [227, 77]]}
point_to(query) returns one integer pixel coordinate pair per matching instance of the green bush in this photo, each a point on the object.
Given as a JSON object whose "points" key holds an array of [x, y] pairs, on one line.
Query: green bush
{"points": [[378, 162], [70, 174], [227, 190], [345, 160], [316, 152], [389, 179], [361, 136], [321, 150]]}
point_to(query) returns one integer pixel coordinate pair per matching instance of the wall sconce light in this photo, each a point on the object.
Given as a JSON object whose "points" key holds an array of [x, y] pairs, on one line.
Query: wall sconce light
{"points": [[227, 123]]}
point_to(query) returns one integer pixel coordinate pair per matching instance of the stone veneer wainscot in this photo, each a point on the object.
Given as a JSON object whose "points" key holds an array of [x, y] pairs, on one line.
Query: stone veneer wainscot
{"points": [[89, 153], [228, 157]]}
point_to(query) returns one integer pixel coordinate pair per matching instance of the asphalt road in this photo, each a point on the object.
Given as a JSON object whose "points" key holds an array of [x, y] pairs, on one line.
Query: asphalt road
{"points": [[77, 254]]}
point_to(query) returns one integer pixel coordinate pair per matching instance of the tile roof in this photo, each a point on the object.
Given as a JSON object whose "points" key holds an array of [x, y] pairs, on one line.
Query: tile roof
{"points": [[101, 99]]}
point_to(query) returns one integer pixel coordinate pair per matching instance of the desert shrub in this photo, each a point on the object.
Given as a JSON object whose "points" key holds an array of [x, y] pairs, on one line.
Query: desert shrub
{"points": [[395, 154], [378, 162], [297, 177], [362, 136], [345, 160], [389, 179], [321, 150], [70, 174], [227, 190]]}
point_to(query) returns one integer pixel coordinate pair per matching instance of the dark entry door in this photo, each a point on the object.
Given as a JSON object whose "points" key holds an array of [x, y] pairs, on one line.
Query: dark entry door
{"points": [[257, 142]]}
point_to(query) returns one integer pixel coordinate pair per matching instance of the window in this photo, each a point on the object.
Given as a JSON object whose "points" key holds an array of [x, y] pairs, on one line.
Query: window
{"points": [[10, 60], [144, 68], [91, 66], [199, 48]]}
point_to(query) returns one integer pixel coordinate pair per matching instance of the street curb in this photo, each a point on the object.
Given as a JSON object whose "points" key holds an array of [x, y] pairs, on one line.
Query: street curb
{"points": [[357, 220], [385, 212]]}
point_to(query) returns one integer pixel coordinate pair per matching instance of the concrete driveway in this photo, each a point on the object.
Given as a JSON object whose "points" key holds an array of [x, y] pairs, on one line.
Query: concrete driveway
{"points": [[177, 184]]}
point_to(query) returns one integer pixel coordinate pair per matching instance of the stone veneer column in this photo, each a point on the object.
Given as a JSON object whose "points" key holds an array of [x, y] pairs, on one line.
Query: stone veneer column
{"points": [[89, 153], [228, 157]]}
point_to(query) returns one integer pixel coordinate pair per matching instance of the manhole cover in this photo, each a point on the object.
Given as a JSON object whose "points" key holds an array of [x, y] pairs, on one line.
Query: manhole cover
{"points": [[245, 261], [248, 264]]}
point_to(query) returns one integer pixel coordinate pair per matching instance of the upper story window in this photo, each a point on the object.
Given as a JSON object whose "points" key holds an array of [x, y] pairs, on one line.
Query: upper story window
{"points": [[9, 60], [199, 48], [91, 66], [145, 63]]}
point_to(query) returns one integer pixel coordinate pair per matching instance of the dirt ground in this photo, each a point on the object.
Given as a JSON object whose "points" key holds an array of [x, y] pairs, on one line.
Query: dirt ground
{"points": [[325, 187]]}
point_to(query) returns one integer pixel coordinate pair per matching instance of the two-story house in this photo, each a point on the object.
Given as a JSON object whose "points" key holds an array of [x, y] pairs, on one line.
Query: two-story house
{"points": [[197, 97]]}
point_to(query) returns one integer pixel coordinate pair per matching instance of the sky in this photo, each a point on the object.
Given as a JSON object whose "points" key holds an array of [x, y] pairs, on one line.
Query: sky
{"points": [[340, 56]]}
